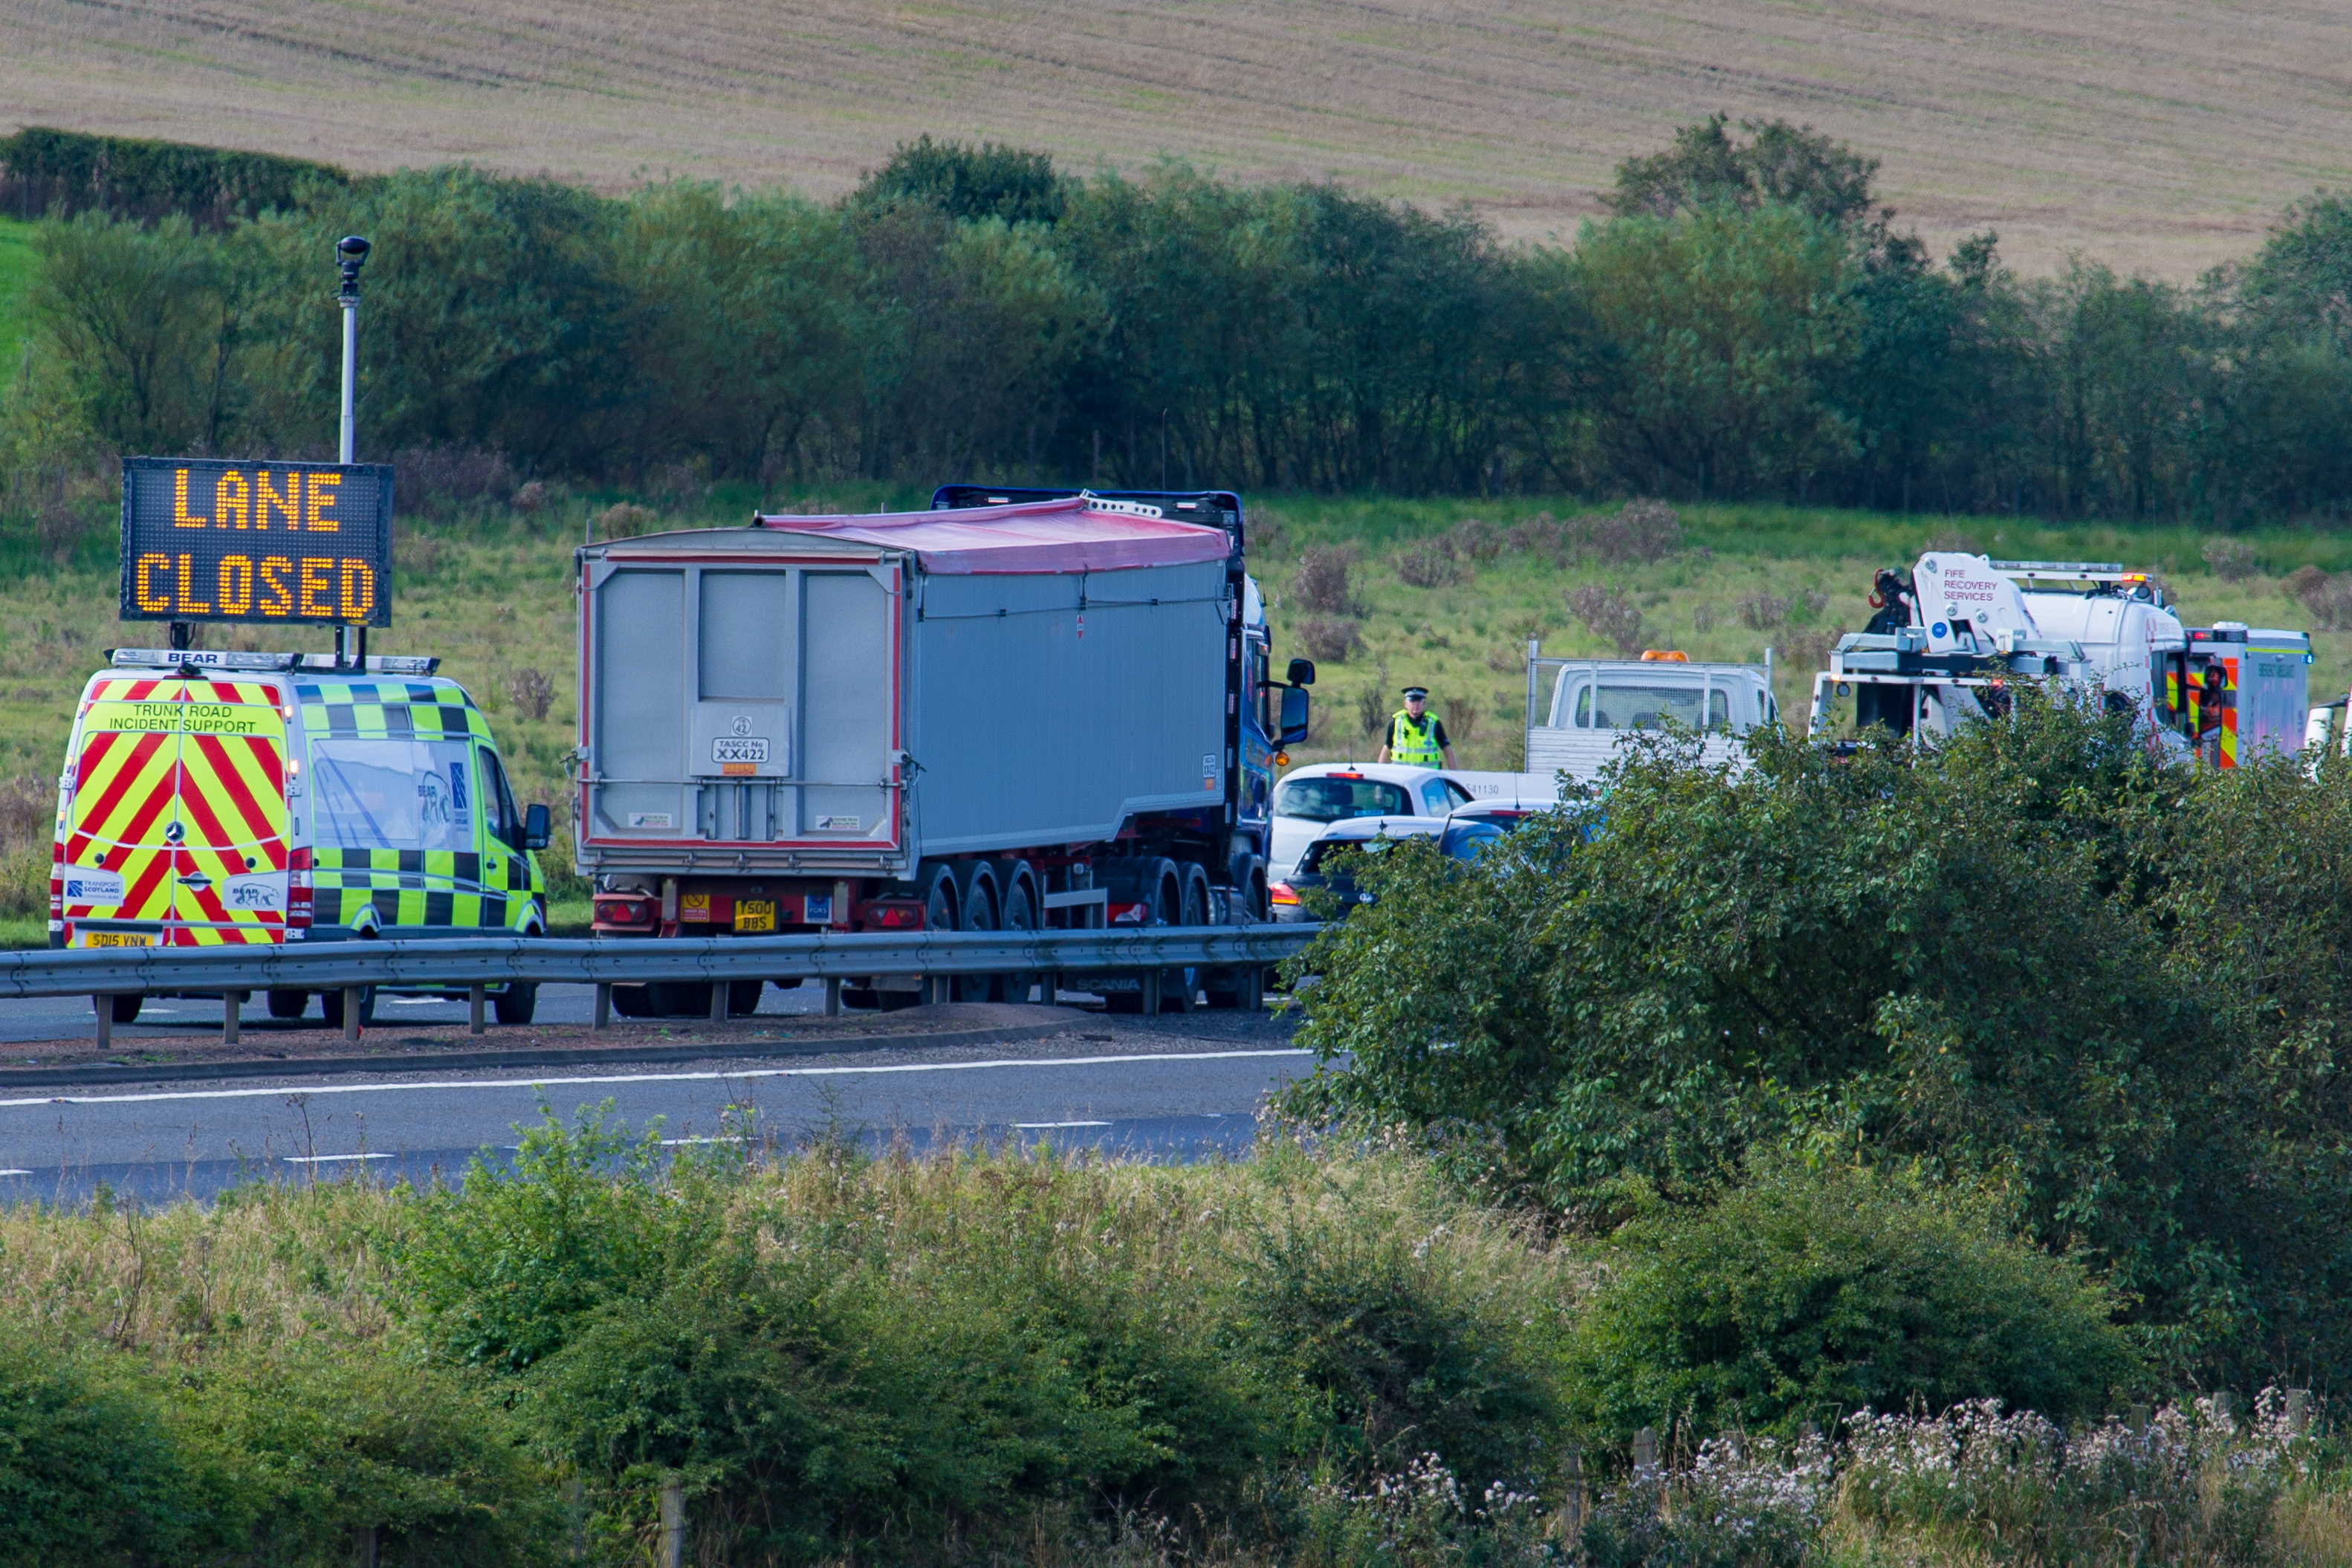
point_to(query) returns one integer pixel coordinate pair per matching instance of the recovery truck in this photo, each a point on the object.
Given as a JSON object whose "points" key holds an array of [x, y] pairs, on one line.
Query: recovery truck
{"points": [[1017, 710], [1950, 639]]}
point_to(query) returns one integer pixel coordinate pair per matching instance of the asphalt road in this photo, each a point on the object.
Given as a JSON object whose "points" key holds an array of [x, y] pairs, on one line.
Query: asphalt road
{"points": [[51, 1018], [1182, 1089]]}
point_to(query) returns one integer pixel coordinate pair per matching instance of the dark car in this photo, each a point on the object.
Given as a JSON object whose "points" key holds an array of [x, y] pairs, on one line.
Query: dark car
{"points": [[1456, 839]]}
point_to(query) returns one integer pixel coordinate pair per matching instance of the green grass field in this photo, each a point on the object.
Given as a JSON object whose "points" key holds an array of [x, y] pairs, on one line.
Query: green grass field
{"points": [[491, 596], [17, 266]]}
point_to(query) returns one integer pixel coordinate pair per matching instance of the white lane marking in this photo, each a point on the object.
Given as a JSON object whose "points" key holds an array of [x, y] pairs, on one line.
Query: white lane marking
{"points": [[1033, 1126], [676, 1142], [330, 1159], [16, 1172], [283, 1091], [417, 1000]]}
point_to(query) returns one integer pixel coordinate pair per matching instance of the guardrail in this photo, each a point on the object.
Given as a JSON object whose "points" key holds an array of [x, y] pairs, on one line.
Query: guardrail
{"points": [[476, 964]]}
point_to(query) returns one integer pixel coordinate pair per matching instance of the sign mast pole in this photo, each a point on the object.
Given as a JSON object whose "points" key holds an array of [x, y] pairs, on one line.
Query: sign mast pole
{"points": [[351, 251]]}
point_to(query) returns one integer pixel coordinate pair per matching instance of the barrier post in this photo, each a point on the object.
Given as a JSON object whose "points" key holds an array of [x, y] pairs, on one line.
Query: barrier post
{"points": [[604, 1004], [352, 1013], [719, 989], [105, 1006], [833, 996], [473, 994], [232, 1008]]}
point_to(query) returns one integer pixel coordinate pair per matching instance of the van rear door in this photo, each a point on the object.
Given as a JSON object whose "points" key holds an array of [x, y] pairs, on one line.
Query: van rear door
{"points": [[177, 833]]}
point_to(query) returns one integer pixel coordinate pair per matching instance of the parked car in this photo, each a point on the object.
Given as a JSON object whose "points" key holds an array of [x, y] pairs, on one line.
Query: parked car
{"points": [[1310, 799], [1504, 815], [1458, 840]]}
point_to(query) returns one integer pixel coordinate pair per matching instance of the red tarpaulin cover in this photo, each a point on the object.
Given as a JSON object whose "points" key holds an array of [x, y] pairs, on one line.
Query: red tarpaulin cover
{"points": [[1044, 536]]}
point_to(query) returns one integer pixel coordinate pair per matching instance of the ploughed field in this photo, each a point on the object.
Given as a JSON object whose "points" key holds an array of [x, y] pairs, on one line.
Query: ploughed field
{"points": [[2145, 134]]}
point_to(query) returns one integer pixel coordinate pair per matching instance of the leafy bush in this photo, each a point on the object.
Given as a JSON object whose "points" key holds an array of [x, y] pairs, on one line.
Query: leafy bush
{"points": [[502, 1270], [1323, 582], [1803, 1295], [1432, 562], [89, 1468], [1608, 614], [2033, 957]]}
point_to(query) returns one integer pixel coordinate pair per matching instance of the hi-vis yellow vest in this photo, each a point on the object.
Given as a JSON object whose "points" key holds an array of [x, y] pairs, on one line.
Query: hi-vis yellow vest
{"points": [[1414, 742]]}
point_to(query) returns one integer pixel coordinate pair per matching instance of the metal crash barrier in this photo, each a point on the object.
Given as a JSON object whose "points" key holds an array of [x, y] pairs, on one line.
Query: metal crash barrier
{"points": [[475, 964]]}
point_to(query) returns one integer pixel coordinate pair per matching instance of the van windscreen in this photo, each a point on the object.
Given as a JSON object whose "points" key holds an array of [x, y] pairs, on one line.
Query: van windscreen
{"points": [[1336, 800], [393, 793]]}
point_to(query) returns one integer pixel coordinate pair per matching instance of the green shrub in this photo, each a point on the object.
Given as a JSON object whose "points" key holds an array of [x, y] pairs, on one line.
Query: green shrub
{"points": [[500, 1271], [89, 1469], [1396, 1345], [1811, 1294]]}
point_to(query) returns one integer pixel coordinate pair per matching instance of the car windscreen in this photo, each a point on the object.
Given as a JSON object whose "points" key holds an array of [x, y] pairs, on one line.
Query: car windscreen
{"points": [[1324, 849], [1327, 799], [393, 793], [1468, 840]]}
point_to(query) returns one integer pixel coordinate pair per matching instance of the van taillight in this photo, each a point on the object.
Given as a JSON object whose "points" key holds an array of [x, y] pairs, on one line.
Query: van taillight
{"points": [[297, 891]]}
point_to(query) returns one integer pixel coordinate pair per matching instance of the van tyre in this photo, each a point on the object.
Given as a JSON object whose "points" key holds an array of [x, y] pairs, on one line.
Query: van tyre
{"points": [[331, 1003], [288, 1004], [634, 1001], [516, 1002]]}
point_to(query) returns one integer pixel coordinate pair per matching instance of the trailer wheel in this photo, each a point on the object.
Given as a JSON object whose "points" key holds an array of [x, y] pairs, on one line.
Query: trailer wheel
{"points": [[1020, 914], [1178, 987], [634, 1001], [976, 901]]}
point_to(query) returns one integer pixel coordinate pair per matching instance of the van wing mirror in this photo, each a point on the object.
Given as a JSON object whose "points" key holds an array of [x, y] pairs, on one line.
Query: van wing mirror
{"points": [[1294, 716], [537, 832], [1302, 672]]}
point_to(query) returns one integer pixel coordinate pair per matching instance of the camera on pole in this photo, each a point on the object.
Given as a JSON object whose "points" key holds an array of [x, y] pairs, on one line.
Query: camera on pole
{"points": [[350, 255]]}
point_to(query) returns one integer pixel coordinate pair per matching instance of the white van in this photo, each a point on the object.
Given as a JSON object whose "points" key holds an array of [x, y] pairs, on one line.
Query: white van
{"points": [[1581, 711]]}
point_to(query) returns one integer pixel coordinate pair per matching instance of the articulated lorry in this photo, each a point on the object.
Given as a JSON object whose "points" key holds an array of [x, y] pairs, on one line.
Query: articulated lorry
{"points": [[1017, 710], [1950, 639]]}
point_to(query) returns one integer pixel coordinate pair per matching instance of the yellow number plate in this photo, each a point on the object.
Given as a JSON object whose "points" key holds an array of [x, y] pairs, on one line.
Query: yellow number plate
{"points": [[755, 915], [117, 939]]}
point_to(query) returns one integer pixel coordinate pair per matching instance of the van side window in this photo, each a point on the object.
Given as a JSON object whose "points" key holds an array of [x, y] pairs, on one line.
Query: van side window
{"points": [[1718, 710], [499, 802]]}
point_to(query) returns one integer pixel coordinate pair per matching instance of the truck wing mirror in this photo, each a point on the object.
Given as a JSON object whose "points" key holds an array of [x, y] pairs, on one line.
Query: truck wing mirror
{"points": [[1294, 716], [536, 831], [1302, 672]]}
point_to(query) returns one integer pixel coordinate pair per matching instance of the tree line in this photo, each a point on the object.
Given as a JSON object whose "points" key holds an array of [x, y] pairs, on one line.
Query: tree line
{"points": [[1748, 322]]}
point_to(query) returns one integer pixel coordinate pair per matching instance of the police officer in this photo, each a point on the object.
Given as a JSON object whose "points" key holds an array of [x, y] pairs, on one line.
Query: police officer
{"points": [[1416, 736]]}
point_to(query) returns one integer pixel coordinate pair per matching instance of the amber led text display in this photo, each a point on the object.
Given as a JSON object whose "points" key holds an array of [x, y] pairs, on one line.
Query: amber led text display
{"points": [[210, 541]]}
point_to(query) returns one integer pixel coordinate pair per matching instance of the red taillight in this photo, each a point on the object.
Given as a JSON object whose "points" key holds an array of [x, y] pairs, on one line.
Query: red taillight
{"points": [[1343, 775], [624, 912], [1282, 893], [1128, 914], [298, 905], [895, 917]]}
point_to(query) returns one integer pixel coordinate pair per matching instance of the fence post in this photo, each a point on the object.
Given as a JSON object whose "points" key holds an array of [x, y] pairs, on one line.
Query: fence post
{"points": [[673, 1526], [2298, 1411], [604, 1004], [2221, 1407], [1645, 1449], [364, 1545], [473, 994], [575, 1515], [1571, 1502], [232, 1004]]}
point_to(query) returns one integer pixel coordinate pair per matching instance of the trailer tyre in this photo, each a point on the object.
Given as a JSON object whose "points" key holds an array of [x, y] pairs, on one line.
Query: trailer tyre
{"points": [[1020, 914], [975, 910], [634, 1001]]}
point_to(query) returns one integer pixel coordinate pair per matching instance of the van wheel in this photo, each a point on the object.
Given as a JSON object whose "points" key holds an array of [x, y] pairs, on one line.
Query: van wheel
{"points": [[331, 1003], [516, 1002], [288, 1004], [123, 1006], [634, 1001]]}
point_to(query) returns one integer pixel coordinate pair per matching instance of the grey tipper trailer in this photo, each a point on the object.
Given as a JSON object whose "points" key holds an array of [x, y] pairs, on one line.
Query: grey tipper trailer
{"points": [[1053, 712], [1580, 712]]}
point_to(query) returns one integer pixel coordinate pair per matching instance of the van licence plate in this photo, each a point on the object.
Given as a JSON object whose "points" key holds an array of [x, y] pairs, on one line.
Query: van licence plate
{"points": [[117, 939], [755, 915]]}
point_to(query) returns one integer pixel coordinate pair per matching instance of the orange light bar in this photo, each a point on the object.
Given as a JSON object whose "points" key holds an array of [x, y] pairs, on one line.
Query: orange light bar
{"points": [[1665, 656]]}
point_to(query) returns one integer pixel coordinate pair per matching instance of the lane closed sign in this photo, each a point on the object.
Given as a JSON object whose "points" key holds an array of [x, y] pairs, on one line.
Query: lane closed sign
{"points": [[204, 540]]}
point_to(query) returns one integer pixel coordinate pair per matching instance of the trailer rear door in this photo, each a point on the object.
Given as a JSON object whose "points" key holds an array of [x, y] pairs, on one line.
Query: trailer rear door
{"points": [[741, 702]]}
